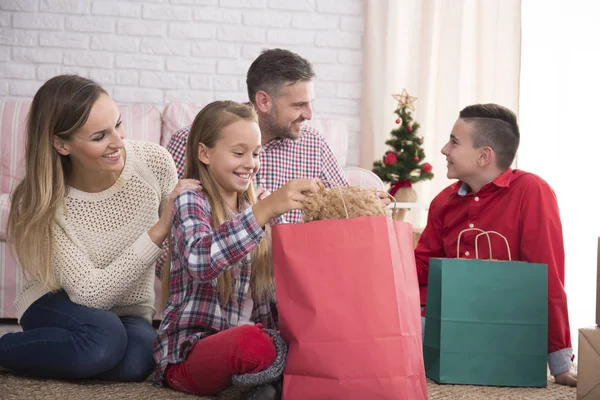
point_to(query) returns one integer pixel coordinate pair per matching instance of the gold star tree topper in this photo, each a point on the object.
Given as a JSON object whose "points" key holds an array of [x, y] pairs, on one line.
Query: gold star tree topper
{"points": [[404, 100]]}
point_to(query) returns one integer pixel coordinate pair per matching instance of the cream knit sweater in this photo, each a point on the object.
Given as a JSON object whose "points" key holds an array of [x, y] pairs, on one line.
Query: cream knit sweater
{"points": [[103, 256]]}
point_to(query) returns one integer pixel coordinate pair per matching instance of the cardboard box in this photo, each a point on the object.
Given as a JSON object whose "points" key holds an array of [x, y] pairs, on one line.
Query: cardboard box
{"points": [[588, 367], [598, 287]]}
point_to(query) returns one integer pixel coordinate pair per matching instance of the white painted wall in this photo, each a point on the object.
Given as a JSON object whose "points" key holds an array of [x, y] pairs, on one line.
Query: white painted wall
{"points": [[159, 51]]}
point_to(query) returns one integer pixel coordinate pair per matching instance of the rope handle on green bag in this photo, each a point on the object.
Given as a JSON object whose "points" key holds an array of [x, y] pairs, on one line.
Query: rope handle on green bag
{"points": [[344, 202], [487, 234], [459, 236]]}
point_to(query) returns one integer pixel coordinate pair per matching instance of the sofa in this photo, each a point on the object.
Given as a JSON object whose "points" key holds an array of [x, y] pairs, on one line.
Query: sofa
{"points": [[142, 122]]}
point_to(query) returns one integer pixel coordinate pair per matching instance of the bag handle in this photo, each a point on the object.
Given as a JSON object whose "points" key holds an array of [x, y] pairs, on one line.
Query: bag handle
{"points": [[487, 234], [459, 236], [339, 190]]}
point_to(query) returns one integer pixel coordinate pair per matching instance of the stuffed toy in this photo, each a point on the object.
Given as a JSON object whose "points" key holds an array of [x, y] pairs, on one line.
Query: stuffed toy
{"points": [[341, 203]]}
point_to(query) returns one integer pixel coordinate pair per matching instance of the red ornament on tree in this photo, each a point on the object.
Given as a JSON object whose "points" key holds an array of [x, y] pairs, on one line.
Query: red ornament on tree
{"points": [[390, 158], [420, 140], [416, 158], [427, 168], [409, 128], [398, 121]]}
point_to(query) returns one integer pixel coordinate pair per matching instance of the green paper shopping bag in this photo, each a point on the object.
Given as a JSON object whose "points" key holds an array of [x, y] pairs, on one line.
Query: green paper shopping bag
{"points": [[486, 321]]}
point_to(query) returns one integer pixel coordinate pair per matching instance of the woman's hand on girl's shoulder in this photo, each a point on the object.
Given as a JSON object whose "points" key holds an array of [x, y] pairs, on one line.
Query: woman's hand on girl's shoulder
{"points": [[160, 230], [182, 186]]}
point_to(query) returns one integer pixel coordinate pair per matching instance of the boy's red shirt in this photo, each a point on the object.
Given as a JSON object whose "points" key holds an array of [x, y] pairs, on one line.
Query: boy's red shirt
{"points": [[522, 207]]}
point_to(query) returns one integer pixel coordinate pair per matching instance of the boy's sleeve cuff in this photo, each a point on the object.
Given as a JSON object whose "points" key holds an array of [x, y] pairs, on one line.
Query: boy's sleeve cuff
{"points": [[560, 361]]}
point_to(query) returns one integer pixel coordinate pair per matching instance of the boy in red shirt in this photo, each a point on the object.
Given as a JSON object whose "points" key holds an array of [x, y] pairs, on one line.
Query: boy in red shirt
{"points": [[489, 195]]}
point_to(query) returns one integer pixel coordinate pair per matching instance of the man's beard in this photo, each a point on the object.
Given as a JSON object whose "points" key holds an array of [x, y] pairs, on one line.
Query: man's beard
{"points": [[270, 128]]}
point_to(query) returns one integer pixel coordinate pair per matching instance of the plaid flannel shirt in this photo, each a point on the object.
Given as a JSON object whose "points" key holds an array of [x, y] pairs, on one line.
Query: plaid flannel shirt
{"points": [[199, 255], [308, 157]]}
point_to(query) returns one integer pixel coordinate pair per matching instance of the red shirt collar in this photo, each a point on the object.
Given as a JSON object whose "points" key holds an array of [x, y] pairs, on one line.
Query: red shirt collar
{"points": [[502, 180]]}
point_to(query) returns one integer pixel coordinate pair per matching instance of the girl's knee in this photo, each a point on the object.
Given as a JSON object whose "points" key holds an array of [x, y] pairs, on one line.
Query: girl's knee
{"points": [[256, 350]]}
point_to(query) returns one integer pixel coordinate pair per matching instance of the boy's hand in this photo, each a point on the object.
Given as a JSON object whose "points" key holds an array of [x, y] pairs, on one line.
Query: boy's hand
{"points": [[385, 198], [567, 378]]}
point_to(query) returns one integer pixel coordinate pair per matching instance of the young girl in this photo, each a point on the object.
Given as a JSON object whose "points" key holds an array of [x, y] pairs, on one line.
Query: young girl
{"points": [[86, 224], [222, 291]]}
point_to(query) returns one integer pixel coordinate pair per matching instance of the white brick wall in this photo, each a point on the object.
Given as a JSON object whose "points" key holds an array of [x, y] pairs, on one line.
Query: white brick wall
{"points": [[159, 51]]}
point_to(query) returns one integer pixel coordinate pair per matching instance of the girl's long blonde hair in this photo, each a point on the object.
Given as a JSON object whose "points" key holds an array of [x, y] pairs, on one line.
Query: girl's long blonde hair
{"points": [[206, 129], [59, 108]]}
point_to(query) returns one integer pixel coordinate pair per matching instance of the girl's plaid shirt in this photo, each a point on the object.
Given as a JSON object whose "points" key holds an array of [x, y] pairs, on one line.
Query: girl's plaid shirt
{"points": [[199, 255]]}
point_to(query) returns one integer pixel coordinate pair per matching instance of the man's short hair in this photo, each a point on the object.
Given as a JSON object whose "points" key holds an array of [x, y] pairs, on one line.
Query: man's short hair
{"points": [[494, 126], [274, 68]]}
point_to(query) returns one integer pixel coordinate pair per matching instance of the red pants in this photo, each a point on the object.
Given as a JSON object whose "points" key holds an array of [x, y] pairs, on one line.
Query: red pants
{"points": [[211, 362]]}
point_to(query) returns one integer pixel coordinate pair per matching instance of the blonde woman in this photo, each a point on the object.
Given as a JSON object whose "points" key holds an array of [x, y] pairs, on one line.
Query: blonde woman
{"points": [[86, 224]]}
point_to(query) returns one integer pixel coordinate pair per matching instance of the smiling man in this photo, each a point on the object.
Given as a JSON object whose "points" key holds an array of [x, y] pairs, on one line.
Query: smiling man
{"points": [[491, 196], [280, 86]]}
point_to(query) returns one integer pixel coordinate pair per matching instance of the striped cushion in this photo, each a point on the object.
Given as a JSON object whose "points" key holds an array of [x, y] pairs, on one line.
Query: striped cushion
{"points": [[178, 115], [12, 136], [13, 114], [141, 122], [4, 208]]}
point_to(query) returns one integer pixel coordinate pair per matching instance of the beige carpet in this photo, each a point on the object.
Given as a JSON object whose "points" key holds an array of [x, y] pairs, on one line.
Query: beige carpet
{"points": [[16, 387]]}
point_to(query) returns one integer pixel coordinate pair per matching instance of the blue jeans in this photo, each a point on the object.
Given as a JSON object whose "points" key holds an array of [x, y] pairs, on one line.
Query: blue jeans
{"points": [[64, 340]]}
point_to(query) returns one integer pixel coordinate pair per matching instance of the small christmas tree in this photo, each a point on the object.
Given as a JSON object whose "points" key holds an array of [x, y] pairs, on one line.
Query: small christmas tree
{"points": [[403, 165]]}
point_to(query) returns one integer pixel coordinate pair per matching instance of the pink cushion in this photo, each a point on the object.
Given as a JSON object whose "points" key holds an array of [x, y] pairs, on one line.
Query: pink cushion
{"points": [[4, 208], [13, 114], [176, 116], [141, 122]]}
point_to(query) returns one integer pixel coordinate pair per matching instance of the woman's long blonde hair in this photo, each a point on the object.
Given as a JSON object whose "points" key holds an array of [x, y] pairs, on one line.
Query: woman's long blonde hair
{"points": [[60, 107], [206, 129]]}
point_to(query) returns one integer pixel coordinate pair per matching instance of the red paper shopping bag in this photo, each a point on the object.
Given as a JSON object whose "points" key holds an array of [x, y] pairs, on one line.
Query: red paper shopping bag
{"points": [[348, 301]]}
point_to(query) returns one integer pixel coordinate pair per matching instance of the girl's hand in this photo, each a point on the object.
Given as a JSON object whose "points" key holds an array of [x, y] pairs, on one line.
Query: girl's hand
{"points": [[160, 230], [288, 197]]}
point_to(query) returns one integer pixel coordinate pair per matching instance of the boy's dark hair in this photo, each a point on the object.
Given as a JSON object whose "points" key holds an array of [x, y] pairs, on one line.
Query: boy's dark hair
{"points": [[494, 126], [273, 68]]}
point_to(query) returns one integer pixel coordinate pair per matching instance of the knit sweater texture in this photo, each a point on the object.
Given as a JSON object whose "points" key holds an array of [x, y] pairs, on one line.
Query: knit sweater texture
{"points": [[102, 255]]}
